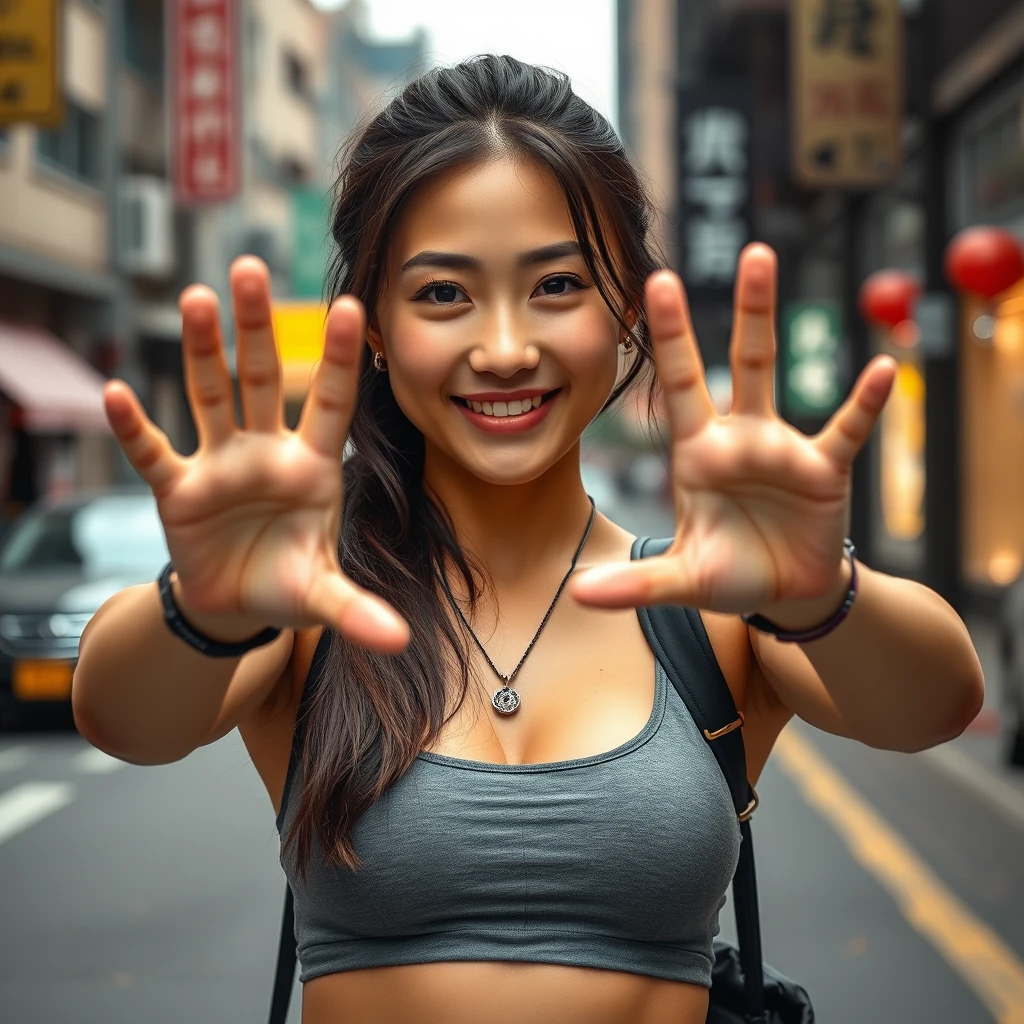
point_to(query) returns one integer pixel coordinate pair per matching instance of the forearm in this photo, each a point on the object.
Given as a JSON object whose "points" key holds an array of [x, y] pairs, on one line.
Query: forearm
{"points": [[140, 692], [901, 670]]}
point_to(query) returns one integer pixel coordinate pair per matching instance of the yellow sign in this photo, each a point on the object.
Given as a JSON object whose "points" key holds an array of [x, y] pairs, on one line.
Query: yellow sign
{"points": [[30, 62], [847, 91], [299, 333]]}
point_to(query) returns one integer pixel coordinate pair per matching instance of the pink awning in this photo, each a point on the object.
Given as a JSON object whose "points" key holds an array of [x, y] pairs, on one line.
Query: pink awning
{"points": [[57, 389]]}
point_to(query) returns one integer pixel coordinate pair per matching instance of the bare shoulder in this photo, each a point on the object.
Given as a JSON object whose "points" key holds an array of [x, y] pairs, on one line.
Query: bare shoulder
{"points": [[268, 728], [764, 716]]}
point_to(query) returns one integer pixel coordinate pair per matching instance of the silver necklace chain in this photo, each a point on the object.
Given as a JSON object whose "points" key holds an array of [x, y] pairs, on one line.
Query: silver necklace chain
{"points": [[506, 700]]}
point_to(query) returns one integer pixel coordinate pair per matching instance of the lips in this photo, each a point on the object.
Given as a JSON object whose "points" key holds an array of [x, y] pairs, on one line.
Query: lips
{"points": [[504, 396]]}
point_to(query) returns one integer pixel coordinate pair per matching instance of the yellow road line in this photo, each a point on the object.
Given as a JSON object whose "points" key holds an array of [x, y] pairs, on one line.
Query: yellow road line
{"points": [[975, 952]]}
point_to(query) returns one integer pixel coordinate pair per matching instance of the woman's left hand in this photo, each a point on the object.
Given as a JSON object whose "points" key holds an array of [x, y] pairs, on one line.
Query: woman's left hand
{"points": [[761, 509]]}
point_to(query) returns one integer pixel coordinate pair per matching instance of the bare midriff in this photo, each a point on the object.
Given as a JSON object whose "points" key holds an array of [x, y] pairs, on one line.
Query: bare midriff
{"points": [[468, 992]]}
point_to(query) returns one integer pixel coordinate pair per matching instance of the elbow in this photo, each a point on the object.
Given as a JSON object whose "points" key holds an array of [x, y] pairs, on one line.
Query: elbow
{"points": [[964, 710]]}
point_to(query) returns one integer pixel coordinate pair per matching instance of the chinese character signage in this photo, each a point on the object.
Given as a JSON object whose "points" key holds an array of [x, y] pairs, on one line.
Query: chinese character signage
{"points": [[847, 91], [30, 62], [811, 384], [714, 186], [205, 103]]}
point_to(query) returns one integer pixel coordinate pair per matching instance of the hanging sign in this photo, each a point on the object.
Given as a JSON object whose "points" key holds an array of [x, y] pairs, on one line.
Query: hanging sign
{"points": [[847, 91], [714, 169], [812, 384], [30, 63], [205, 101]]}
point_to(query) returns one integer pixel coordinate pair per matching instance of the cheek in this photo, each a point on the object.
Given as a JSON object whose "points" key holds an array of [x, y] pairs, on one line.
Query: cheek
{"points": [[587, 343]]}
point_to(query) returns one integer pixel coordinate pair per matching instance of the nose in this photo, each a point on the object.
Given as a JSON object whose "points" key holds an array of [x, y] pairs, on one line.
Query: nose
{"points": [[504, 346]]}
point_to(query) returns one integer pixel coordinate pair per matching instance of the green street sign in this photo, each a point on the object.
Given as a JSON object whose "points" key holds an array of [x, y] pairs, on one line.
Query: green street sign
{"points": [[811, 384], [310, 212]]}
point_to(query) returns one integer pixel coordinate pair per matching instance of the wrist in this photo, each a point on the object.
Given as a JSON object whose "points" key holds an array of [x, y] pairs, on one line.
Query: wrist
{"points": [[223, 628], [810, 619]]}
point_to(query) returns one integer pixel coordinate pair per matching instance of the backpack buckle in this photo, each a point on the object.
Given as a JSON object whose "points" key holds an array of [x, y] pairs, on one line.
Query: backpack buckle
{"points": [[708, 735], [747, 811]]}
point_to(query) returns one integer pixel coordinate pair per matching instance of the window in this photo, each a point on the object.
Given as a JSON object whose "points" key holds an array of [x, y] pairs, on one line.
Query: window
{"points": [[74, 146], [296, 76], [144, 39]]}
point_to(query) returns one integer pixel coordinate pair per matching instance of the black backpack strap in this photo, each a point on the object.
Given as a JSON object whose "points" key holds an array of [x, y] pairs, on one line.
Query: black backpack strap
{"points": [[287, 956], [680, 642]]}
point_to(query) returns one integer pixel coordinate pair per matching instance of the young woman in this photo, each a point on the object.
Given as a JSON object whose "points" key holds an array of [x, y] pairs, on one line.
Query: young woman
{"points": [[497, 809]]}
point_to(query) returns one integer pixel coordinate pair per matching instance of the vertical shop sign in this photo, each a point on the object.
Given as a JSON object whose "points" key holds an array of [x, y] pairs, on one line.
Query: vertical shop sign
{"points": [[30, 62], [309, 248], [205, 101], [714, 186], [847, 91], [811, 371]]}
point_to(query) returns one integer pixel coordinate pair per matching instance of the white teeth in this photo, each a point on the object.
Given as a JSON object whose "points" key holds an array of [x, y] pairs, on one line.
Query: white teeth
{"points": [[514, 408]]}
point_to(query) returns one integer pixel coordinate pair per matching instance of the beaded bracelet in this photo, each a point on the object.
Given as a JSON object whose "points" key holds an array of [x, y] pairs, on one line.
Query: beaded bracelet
{"points": [[762, 625]]}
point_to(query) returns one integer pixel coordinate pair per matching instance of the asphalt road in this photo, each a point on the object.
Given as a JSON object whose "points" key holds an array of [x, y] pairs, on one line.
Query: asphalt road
{"points": [[892, 886]]}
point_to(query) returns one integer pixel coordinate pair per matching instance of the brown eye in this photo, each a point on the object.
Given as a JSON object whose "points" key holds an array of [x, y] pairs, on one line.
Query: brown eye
{"points": [[561, 284]]}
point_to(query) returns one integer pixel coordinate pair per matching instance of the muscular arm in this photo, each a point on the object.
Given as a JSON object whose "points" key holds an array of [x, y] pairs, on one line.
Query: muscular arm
{"points": [[900, 673]]}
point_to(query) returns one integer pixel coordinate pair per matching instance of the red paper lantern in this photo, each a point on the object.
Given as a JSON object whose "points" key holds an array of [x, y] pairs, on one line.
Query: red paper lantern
{"points": [[985, 261], [888, 296]]}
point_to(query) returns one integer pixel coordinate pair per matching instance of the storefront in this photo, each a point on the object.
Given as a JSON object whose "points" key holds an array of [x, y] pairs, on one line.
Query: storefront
{"points": [[987, 185]]}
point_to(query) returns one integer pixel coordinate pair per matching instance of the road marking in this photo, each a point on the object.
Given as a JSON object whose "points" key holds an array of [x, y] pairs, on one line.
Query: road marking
{"points": [[13, 758], [93, 761], [30, 802], [976, 953], [983, 783]]}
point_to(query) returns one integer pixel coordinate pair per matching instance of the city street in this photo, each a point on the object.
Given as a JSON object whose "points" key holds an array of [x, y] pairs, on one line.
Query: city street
{"points": [[891, 885]]}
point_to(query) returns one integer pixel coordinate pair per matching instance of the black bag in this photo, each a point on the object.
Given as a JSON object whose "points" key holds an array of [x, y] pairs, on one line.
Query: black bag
{"points": [[744, 990]]}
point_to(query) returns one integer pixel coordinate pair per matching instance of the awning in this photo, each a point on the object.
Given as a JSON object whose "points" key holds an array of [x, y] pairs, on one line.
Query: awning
{"points": [[58, 391]]}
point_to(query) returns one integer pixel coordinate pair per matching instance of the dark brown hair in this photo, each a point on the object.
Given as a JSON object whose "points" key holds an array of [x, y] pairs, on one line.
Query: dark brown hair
{"points": [[370, 714]]}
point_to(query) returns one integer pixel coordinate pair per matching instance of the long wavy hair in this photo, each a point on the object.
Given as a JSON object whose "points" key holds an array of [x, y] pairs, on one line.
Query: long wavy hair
{"points": [[369, 713]]}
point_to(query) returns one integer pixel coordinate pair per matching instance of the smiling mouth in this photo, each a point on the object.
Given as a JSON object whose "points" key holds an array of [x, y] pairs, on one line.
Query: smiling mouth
{"points": [[486, 408]]}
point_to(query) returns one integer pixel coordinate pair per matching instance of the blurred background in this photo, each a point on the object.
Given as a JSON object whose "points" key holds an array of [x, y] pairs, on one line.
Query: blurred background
{"points": [[877, 145]]}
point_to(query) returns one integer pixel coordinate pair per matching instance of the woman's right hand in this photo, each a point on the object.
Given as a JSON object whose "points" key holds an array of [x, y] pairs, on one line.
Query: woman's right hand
{"points": [[252, 517]]}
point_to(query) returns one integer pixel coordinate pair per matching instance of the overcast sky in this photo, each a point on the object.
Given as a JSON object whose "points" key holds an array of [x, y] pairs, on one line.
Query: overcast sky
{"points": [[575, 36]]}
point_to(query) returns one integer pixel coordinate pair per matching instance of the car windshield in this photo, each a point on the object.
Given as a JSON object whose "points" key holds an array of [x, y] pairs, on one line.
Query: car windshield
{"points": [[106, 534]]}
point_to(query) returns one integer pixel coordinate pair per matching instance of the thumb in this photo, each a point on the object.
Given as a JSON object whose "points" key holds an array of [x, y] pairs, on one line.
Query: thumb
{"points": [[361, 617], [635, 584]]}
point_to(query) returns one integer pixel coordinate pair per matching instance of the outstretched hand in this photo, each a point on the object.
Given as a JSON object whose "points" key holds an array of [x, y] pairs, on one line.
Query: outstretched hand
{"points": [[761, 509]]}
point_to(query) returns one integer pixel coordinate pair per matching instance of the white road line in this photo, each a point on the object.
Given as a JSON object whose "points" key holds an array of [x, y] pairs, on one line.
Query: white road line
{"points": [[984, 784], [92, 761], [30, 802], [13, 758]]}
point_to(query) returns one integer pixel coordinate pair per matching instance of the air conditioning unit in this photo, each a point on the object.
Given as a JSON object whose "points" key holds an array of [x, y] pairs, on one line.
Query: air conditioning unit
{"points": [[146, 228]]}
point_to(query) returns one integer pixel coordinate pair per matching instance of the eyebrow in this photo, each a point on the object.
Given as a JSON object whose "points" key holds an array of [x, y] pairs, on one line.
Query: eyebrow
{"points": [[459, 261]]}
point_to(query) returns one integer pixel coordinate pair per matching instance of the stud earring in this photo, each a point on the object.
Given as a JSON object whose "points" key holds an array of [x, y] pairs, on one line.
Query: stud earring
{"points": [[380, 364]]}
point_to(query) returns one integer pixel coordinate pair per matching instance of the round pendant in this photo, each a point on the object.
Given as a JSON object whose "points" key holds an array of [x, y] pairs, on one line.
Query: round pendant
{"points": [[505, 700]]}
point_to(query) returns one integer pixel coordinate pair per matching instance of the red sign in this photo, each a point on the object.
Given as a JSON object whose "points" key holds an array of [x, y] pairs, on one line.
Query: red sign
{"points": [[205, 107]]}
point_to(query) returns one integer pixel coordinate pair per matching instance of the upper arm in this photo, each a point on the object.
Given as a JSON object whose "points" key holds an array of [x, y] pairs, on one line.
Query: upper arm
{"points": [[260, 676], [787, 678]]}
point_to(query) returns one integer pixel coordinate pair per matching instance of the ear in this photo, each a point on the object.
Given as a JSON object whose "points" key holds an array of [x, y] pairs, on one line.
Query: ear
{"points": [[373, 336]]}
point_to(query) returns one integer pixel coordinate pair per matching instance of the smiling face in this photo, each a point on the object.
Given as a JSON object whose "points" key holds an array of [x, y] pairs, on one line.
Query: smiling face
{"points": [[488, 302]]}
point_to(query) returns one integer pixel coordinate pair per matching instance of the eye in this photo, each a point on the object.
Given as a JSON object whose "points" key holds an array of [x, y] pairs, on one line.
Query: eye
{"points": [[441, 293], [559, 284]]}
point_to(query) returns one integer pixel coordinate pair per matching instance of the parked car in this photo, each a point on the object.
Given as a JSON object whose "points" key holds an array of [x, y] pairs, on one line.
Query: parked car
{"points": [[58, 563], [1011, 656]]}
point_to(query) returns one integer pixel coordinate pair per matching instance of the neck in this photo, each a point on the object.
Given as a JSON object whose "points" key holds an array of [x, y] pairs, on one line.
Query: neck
{"points": [[515, 530]]}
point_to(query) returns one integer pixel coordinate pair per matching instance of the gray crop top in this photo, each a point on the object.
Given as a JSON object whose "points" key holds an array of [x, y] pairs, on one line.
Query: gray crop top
{"points": [[618, 861]]}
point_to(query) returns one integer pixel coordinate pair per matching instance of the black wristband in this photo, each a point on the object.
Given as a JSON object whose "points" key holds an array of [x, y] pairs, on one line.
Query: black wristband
{"points": [[180, 626]]}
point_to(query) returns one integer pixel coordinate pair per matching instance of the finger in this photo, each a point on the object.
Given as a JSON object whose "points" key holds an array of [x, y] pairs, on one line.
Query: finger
{"points": [[680, 367], [752, 349], [144, 444], [659, 580], [357, 614], [259, 365], [848, 430], [327, 412], [207, 380]]}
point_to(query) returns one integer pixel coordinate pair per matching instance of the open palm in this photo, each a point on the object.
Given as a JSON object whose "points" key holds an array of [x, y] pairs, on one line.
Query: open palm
{"points": [[761, 509]]}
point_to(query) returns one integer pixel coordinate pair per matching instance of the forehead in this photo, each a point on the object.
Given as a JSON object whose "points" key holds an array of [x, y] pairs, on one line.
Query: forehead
{"points": [[505, 203]]}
